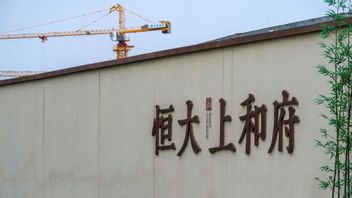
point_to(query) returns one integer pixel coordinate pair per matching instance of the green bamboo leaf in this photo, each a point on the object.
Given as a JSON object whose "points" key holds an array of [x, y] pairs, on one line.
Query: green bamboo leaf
{"points": [[330, 2], [323, 185], [323, 133]]}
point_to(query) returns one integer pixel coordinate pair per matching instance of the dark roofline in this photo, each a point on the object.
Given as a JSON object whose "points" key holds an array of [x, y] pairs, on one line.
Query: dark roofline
{"points": [[298, 24], [298, 28]]}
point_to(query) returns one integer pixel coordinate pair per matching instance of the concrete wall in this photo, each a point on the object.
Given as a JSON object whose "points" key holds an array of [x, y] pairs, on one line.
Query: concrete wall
{"points": [[89, 134]]}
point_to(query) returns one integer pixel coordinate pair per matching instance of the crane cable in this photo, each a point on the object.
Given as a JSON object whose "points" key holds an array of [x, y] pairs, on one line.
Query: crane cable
{"points": [[42, 59], [98, 19], [74, 17], [52, 22], [139, 15]]}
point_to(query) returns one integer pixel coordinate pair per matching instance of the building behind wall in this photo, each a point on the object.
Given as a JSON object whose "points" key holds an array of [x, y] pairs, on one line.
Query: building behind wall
{"points": [[87, 131]]}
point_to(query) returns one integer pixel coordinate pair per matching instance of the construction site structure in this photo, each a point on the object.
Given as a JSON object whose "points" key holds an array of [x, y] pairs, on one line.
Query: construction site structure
{"points": [[10, 74], [119, 35], [122, 47]]}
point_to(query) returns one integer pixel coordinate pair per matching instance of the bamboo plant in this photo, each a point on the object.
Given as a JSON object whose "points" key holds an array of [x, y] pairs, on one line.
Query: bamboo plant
{"points": [[336, 140]]}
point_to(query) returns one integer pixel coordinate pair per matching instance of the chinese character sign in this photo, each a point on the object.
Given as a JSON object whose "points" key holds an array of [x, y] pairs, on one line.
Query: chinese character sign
{"points": [[223, 118], [251, 123], [189, 130], [162, 129], [280, 121], [254, 126]]}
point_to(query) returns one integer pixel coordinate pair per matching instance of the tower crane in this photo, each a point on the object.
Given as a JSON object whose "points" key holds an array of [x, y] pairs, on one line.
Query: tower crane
{"points": [[119, 35]]}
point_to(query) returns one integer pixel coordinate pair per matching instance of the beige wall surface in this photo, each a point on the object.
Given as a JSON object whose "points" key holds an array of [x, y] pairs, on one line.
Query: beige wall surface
{"points": [[89, 134]]}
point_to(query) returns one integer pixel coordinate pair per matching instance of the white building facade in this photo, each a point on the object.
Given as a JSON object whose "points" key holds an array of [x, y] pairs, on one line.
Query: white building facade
{"points": [[87, 131]]}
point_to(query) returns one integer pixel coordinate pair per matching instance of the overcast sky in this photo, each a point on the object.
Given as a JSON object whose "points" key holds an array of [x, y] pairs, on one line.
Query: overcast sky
{"points": [[193, 21]]}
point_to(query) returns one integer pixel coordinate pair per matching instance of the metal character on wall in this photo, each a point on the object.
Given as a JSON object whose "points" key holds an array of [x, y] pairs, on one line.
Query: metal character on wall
{"points": [[162, 129], [253, 127], [189, 129], [279, 122], [223, 118]]}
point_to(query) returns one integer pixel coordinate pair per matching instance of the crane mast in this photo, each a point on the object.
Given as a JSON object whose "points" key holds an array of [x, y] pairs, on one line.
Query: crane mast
{"points": [[122, 47]]}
